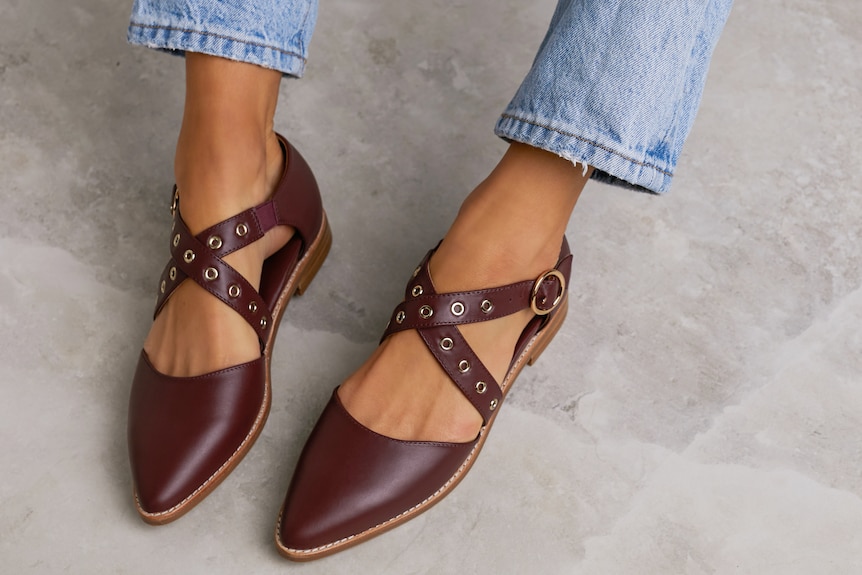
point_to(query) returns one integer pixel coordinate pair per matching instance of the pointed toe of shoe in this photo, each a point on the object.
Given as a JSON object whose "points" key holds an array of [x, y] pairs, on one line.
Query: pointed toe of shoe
{"points": [[351, 484], [186, 433]]}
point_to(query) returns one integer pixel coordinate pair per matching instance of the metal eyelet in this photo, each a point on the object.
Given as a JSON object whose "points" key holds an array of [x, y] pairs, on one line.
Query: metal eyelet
{"points": [[234, 290], [399, 317], [425, 311], [252, 307], [176, 240], [263, 323], [162, 287], [417, 291], [241, 230], [214, 242], [446, 343], [486, 306], [457, 308], [464, 366], [481, 387], [416, 271], [189, 256], [493, 404], [210, 274], [173, 273]]}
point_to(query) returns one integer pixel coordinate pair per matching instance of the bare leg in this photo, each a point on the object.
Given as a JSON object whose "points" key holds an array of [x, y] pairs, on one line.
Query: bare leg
{"points": [[228, 159], [508, 229]]}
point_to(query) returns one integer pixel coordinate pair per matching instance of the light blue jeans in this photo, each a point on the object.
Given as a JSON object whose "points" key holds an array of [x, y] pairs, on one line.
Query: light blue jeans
{"points": [[615, 85]]}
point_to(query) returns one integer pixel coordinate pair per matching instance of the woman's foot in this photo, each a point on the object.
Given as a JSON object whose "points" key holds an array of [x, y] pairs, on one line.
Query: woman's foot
{"points": [[508, 230], [228, 160]]}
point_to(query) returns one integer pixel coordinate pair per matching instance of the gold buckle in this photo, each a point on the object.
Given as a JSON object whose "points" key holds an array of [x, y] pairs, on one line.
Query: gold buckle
{"points": [[538, 284], [175, 203]]}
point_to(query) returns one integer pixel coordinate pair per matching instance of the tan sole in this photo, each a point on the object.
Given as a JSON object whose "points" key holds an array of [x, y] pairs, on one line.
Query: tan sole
{"points": [[305, 271], [528, 357]]}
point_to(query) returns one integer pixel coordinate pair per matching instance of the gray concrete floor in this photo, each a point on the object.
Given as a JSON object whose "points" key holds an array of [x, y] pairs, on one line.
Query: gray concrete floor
{"points": [[700, 412]]}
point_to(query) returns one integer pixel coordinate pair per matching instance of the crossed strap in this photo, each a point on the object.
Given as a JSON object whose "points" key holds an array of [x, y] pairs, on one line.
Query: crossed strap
{"points": [[437, 316], [200, 259]]}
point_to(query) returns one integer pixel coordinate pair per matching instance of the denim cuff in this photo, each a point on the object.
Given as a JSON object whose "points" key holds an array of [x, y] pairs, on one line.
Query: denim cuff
{"points": [[178, 40], [611, 166], [617, 85], [269, 33]]}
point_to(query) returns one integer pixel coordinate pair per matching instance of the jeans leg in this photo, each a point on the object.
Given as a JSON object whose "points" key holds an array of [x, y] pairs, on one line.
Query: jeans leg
{"points": [[616, 85], [270, 33]]}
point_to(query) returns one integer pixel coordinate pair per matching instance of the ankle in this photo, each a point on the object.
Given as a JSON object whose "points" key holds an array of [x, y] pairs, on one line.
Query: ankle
{"points": [[510, 227], [472, 261], [219, 175], [490, 245]]}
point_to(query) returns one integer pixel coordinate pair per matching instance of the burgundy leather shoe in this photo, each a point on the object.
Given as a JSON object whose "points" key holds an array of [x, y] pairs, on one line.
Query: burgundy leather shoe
{"points": [[351, 483], [187, 433]]}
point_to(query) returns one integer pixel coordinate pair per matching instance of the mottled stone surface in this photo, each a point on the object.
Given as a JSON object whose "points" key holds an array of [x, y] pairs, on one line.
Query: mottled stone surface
{"points": [[699, 413]]}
